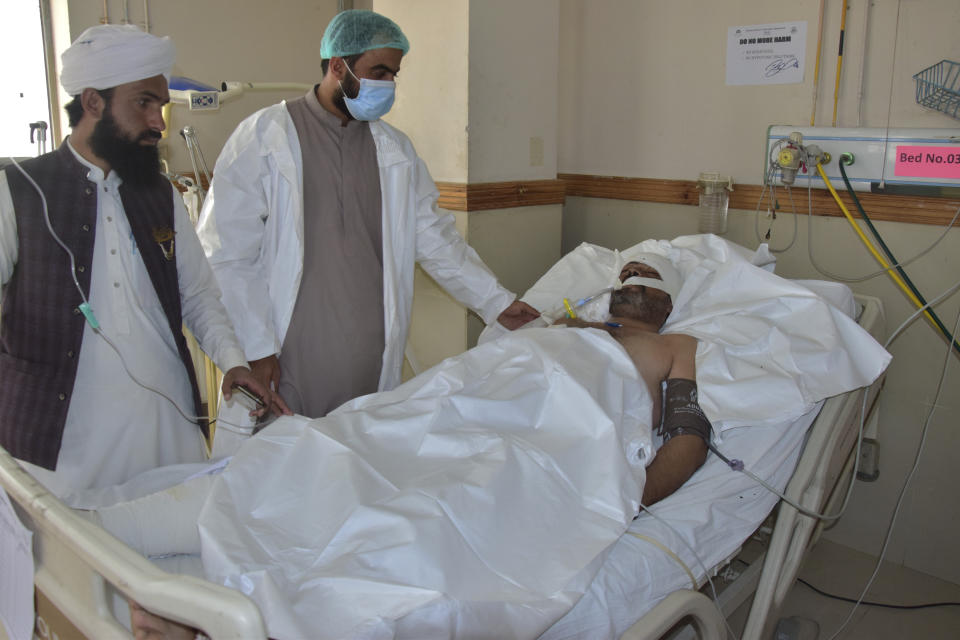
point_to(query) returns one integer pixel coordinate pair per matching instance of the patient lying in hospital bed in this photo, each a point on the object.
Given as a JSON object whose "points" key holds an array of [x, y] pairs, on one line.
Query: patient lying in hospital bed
{"points": [[480, 498], [574, 414]]}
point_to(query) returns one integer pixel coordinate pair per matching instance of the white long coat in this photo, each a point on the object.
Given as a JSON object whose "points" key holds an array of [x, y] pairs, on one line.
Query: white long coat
{"points": [[251, 228]]}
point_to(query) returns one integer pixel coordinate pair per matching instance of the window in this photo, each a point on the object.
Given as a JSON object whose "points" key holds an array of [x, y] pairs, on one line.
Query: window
{"points": [[23, 91]]}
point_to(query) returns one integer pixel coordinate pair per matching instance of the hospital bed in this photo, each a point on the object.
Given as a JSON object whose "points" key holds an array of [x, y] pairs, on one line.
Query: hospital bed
{"points": [[643, 589], [818, 448]]}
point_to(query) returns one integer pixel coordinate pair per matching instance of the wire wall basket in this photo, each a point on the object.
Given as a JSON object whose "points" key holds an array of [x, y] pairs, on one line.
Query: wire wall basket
{"points": [[938, 87]]}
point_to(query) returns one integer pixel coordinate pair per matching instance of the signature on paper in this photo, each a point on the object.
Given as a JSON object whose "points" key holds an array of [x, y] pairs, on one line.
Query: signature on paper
{"points": [[781, 63]]}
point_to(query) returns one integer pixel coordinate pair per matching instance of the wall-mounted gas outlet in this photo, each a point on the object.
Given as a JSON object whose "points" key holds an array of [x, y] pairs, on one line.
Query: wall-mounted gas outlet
{"points": [[889, 160]]}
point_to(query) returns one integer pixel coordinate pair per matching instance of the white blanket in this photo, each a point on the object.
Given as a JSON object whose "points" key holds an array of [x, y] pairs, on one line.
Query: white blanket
{"points": [[769, 349], [477, 500]]}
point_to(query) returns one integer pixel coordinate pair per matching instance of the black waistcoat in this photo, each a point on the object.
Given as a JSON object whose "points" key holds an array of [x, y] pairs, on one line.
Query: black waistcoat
{"points": [[41, 329]]}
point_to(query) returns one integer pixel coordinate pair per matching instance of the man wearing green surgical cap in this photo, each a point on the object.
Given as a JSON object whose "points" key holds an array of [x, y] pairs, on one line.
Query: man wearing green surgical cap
{"points": [[317, 214]]}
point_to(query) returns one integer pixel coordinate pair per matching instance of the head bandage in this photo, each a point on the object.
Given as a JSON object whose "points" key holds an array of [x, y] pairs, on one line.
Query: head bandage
{"points": [[109, 55], [670, 281], [356, 31], [637, 281]]}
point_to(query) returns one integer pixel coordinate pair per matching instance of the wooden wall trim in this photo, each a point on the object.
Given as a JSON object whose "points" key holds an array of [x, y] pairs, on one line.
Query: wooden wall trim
{"points": [[895, 208], [483, 196], [499, 195]]}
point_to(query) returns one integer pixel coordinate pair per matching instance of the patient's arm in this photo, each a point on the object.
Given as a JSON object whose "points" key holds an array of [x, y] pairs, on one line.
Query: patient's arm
{"points": [[676, 461], [684, 452]]}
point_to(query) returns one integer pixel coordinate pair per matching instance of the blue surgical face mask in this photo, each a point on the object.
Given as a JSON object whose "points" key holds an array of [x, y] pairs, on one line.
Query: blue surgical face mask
{"points": [[373, 100]]}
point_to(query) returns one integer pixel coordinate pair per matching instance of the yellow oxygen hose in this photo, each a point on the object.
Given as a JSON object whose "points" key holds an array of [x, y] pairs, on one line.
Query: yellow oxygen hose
{"points": [[866, 241]]}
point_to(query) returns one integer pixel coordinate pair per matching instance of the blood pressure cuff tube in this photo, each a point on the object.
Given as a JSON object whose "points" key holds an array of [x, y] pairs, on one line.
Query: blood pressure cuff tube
{"points": [[681, 412]]}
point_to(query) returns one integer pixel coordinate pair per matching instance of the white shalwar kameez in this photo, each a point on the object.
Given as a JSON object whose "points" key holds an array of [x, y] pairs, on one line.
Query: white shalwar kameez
{"points": [[115, 428]]}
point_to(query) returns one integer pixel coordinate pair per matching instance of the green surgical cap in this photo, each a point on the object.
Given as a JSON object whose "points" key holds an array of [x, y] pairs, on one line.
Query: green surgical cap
{"points": [[356, 31]]}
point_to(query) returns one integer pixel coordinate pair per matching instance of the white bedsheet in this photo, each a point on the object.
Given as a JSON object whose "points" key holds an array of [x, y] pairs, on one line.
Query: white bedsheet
{"points": [[476, 500], [770, 348], [714, 512]]}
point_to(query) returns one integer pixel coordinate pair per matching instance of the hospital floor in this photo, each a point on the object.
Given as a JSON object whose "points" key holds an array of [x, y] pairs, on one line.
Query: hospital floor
{"points": [[843, 571]]}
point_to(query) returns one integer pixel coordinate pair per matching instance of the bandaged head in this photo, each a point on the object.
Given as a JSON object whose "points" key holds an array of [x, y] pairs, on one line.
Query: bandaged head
{"points": [[670, 280], [109, 55], [597, 307]]}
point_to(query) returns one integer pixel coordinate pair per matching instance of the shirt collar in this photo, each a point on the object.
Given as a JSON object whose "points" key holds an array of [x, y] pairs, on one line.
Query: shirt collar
{"points": [[321, 114], [95, 173]]}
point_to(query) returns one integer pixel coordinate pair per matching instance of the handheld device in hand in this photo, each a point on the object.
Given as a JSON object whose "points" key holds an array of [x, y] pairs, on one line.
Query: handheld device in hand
{"points": [[248, 398]]}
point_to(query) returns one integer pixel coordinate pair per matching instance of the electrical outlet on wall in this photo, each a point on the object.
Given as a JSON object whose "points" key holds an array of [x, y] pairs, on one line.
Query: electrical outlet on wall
{"points": [[536, 151]]}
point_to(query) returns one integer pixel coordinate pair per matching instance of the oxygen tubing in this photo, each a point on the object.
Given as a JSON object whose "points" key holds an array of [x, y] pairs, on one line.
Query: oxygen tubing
{"points": [[866, 242], [883, 245]]}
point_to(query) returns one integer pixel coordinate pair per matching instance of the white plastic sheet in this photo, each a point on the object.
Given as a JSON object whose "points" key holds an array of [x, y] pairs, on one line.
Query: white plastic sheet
{"points": [[16, 577], [477, 500], [769, 349]]}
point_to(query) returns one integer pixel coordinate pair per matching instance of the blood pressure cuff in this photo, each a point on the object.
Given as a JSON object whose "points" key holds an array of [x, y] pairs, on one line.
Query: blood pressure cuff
{"points": [[681, 412]]}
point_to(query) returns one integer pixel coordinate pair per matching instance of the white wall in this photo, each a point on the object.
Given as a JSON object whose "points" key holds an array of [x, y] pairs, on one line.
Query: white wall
{"points": [[433, 88], [479, 83], [514, 75], [643, 95], [643, 88], [220, 40]]}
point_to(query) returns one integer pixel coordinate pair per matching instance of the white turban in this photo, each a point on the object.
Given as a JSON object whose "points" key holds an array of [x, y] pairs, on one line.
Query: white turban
{"points": [[109, 55]]}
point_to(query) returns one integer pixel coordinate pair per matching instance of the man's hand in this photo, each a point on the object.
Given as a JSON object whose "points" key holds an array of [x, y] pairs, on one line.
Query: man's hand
{"points": [[146, 626], [517, 314], [249, 379], [267, 371]]}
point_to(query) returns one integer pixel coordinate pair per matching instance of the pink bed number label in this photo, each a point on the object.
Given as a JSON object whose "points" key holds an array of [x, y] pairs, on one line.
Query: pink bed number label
{"points": [[928, 162]]}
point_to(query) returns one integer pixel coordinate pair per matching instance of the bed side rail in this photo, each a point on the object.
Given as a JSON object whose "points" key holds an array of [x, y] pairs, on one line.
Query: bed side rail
{"points": [[822, 464], [75, 560], [680, 606]]}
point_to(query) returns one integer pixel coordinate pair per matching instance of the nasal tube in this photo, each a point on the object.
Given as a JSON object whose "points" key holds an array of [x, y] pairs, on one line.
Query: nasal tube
{"points": [[583, 301]]}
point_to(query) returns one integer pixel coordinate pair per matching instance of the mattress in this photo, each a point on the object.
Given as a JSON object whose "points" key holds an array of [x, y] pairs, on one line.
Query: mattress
{"points": [[703, 523]]}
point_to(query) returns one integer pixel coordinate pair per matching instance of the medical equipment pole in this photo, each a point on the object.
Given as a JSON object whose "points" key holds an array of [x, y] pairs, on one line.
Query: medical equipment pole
{"points": [[40, 128], [836, 87], [816, 70]]}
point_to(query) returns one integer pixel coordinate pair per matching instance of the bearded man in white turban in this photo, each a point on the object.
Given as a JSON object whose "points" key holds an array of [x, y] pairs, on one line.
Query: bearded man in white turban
{"points": [[100, 269]]}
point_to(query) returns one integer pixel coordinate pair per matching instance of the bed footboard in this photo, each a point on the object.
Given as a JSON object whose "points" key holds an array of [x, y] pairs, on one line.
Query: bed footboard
{"points": [[76, 560]]}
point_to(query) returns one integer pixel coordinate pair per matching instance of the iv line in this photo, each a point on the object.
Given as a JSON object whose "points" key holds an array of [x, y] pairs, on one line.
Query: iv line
{"points": [[87, 310]]}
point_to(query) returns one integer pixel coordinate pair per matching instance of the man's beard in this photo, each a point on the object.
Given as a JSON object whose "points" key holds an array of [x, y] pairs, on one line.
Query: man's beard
{"points": [[137, 164], [347, 86], [633, 303]]}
